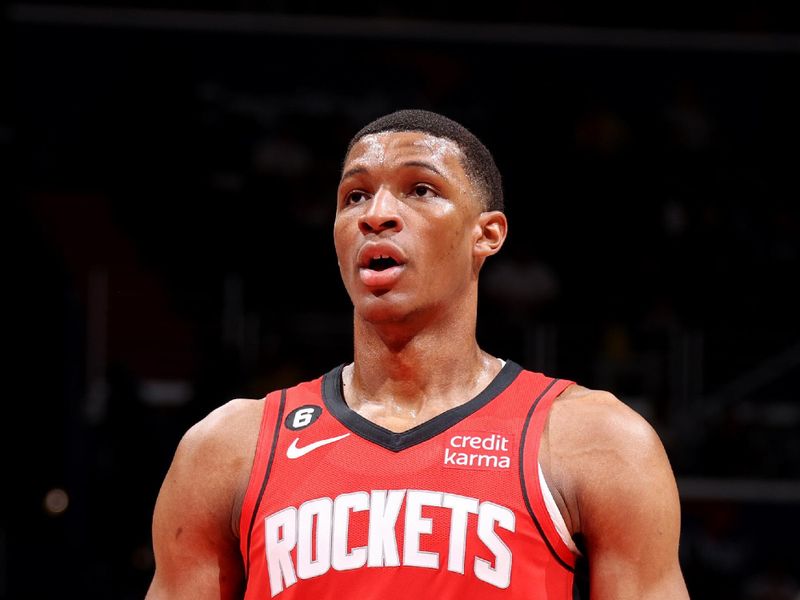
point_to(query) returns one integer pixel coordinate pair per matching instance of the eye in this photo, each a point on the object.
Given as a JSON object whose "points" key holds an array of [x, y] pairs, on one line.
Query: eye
{"points": [[422, 190], [354, 197]]}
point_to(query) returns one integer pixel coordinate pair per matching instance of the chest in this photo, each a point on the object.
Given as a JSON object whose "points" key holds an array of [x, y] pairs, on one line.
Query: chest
{"points": [[341, 499]]}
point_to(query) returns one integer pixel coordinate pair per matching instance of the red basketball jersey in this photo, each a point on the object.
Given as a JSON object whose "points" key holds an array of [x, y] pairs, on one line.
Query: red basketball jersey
{"points": [[338, 507]]}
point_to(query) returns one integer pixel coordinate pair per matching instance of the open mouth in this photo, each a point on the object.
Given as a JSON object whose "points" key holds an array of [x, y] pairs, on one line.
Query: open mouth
{"points": [[381, 263]]}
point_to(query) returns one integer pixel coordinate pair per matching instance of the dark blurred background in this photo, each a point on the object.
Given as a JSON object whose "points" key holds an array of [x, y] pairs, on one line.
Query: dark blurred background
{"points": [[169, 197]]}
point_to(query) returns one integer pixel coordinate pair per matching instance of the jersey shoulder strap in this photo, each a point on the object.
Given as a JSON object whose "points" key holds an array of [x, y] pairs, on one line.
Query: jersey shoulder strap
{"points": [[274, 406], [532, 430]]}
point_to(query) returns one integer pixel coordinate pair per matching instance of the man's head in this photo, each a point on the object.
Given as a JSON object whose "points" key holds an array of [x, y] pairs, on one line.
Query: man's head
{"points": [[415, 219], [477, 160]]}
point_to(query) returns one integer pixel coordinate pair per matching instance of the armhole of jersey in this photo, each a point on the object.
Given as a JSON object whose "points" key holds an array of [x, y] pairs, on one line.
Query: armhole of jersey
{"points": [[529, 473], [259, 474], [555, 514]]}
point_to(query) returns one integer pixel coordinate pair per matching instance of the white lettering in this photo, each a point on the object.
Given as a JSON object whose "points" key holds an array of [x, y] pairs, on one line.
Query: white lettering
{"points": [[302, 417], [341, 559], [384, 509], [416, 526], [466, 459], [493, 442], [500, 574], [280, 536], [306, 542], [461, 507], [483, 460], [318, 510]]}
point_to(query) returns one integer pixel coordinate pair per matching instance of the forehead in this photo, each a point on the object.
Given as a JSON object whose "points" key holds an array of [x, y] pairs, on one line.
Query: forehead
{"points": [[395, 148]]}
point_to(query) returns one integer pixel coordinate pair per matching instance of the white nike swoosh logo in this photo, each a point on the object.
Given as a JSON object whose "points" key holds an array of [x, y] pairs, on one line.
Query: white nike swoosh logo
{"points": [[294, 452]]}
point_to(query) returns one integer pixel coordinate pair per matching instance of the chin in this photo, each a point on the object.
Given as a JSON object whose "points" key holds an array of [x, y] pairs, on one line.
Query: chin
{"points": [[382, 307]]}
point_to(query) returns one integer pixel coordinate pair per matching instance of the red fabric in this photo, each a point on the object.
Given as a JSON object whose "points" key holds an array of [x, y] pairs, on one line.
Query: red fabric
{"points": [[316, 509]]}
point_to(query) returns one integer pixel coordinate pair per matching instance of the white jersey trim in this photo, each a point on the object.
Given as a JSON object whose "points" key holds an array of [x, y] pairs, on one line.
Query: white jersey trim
{"points": [[555, 515], [552, 508]]}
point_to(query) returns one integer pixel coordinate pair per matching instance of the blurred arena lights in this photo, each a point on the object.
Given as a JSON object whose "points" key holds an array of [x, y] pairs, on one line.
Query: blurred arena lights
{"points": [[56, 502]]}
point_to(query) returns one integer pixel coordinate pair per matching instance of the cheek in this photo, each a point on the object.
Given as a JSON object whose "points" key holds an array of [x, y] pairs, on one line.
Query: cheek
{"points": [[342, 259], [452, 245], [340, 242], [458, 236]]}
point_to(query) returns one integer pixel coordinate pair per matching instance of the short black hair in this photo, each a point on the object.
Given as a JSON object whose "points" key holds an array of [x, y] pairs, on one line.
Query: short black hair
{"points": [[478, 161]]}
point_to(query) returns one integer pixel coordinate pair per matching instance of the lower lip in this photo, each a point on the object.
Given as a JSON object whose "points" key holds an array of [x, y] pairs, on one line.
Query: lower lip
{"points": [[385, 278]]}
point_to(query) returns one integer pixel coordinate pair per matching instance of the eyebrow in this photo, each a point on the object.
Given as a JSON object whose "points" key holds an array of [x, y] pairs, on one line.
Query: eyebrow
{"points": [[411, 163]]}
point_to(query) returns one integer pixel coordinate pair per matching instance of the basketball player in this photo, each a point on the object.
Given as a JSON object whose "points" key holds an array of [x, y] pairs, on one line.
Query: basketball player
{"points": [[424, 468]]}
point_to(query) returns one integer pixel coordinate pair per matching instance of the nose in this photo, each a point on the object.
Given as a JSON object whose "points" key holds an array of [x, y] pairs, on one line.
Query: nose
{"points": [[382, 213]]}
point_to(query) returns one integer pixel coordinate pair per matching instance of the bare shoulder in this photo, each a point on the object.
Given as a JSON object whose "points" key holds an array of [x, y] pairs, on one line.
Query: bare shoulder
{"points": [[581, 414], [212, 463], [618, 491], [228, 430], [601, 451], [195, 521]]}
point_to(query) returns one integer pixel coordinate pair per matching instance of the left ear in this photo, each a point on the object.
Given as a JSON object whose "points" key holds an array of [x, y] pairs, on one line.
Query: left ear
{"points": [[490, 232]]}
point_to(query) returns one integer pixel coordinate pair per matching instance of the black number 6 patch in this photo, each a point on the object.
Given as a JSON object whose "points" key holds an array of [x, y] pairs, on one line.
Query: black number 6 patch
{"points": [[302, 417]]}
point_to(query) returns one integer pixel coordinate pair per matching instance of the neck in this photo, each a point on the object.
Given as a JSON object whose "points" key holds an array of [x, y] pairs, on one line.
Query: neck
{"points": [[405, 375]]}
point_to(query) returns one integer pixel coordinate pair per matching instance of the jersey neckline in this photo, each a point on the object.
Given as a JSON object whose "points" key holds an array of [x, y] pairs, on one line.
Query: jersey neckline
{"points": [[333, 398]]}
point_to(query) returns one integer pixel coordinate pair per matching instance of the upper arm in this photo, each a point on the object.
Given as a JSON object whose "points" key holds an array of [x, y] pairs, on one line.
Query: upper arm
{"points": [[624, 500], [194, 539]]}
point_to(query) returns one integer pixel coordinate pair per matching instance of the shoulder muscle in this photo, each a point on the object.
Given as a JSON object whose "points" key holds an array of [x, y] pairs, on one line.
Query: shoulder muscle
{"points": [[620, 492], [194, 533]]}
